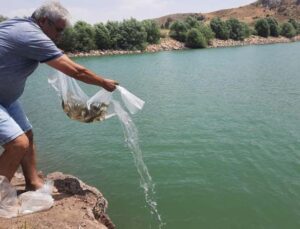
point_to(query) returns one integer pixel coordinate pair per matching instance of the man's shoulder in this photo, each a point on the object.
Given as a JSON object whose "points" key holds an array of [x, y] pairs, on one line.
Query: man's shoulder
{"points": [[23, 30]]}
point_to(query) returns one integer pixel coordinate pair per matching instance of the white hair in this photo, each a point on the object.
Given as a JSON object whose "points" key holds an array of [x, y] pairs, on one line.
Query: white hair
{"points": [[52, 10]]}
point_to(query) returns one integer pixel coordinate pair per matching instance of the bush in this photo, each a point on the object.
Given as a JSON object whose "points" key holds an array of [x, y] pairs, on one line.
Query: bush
{"points": [[274, 27], [168, 23], [68, 42], [236, 28], [178, 31], [262, 28], [2, 18], [195, 39], [207, 32], [102, 38], [152, 30], [247, 30], [220, 28], [85, 36], [288, 30], [113, 28], [133, 35], [192, 22]]}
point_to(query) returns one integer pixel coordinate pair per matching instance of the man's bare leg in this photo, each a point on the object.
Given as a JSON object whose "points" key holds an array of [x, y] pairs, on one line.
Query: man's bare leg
{"points": [[33, 181], [14, 152]]}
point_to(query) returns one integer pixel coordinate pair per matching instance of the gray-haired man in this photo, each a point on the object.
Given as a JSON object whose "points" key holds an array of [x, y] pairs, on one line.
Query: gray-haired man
{"points": [[24, 43]]}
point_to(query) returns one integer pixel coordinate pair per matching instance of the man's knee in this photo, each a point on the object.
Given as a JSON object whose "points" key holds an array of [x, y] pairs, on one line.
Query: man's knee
{"points": [[20, 144]]}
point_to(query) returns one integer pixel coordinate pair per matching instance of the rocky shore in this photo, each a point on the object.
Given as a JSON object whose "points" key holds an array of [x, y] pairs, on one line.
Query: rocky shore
{"points": [[76, 205], [168, 44]]}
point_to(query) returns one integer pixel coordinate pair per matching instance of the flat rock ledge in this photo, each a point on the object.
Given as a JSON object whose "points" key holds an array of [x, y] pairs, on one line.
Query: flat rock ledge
{"points": [[168, 44], [76, 205]]}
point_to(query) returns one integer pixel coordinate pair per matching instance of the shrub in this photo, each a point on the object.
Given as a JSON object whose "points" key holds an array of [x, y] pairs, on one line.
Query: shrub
{"points": [[178, 31], [68, 42], [220, 28], [133, 35], [262, 28], [207, 32], [274, 27], [2, 18], [288, 30], [113, 28], [195, 39], [236, 28], [102, 38], [192, 22], [152, 30], [85, 36]]}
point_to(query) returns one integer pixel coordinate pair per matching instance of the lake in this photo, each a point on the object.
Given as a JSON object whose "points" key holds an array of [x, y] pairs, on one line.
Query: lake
{"points": [[219, 132]]}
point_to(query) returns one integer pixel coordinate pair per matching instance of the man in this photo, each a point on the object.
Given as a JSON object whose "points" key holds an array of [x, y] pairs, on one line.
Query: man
{"points": [[23, 44]]}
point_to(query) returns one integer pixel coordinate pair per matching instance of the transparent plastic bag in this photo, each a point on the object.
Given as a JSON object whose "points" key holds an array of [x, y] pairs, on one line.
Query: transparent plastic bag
{"points": [[78, 106], [39, 200], [29, 202]]}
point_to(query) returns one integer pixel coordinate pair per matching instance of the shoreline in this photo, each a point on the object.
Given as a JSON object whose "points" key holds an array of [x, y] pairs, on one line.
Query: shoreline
{"points": [[168, 44]]}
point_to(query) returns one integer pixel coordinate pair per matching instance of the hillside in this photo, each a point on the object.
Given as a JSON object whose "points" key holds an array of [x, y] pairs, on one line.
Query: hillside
{"points": [[280, 9]]}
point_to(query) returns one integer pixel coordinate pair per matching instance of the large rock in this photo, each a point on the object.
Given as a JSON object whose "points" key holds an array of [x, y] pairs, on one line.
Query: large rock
{"points": [[76, 205]]}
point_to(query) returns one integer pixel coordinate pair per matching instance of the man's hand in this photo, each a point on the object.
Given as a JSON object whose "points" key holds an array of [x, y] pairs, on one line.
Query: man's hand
{"points": [[109, 85]]}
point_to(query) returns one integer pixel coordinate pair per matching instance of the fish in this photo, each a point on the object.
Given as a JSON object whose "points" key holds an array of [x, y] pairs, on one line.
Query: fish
{"points": [[81, 112]]}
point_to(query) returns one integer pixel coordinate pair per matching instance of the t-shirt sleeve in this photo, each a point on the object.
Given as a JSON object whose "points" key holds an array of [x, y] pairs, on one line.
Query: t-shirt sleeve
{"points": [[37, 46]]}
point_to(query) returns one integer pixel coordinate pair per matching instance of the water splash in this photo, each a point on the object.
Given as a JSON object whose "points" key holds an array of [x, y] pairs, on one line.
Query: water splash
{"points": [[131, 138]]}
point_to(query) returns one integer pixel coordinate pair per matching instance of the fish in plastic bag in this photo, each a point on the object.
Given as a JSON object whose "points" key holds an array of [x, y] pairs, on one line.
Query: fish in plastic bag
{"points": [[78, 106]]}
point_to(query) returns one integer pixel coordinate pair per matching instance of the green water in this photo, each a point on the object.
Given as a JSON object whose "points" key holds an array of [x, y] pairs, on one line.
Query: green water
{"points": [[220, 134]]}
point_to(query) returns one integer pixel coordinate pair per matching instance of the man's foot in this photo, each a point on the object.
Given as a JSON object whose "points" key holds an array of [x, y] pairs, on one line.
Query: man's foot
{"points": [[34, 185]]}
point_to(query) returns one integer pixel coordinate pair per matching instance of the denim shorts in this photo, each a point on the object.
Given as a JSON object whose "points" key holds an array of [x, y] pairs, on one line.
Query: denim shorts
{"points": [[13, 122]]}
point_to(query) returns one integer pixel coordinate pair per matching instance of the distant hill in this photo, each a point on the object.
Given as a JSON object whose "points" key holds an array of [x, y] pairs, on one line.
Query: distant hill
{"points": [[282, 10]]}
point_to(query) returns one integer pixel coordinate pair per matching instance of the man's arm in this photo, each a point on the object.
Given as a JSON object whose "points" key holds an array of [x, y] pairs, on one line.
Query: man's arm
{"points": [[70, 68]]}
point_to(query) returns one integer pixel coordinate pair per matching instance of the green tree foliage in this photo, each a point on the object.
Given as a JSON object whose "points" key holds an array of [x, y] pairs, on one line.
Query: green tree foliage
{"points": [[152, 30], [192, 22], [220, 28], [133, 35], [295, 24], [2, 18], [168, 23], [195, 39], [68, 42], [85, 36], [114, 33], [262, 28], [274, 27], [102, 38], [207, 32], [288, 30], [178, 31], [236, 28]]}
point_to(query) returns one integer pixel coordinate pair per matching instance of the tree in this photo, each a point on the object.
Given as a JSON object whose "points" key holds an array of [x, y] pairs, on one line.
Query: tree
{"points": [[288, 30], [168, 23], [220, 28], [133, 35], [206, 31], [102, 38], [2, 18], [262, 27], [192, 22], [178, 31], [274, 27], [236, 28], [152, 30], [195, 39], [85, 36], [68, 42], [114, 33]]}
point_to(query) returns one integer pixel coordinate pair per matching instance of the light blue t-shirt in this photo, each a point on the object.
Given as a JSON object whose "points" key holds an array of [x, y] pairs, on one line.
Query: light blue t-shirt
{"points": [[22, 46]]}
